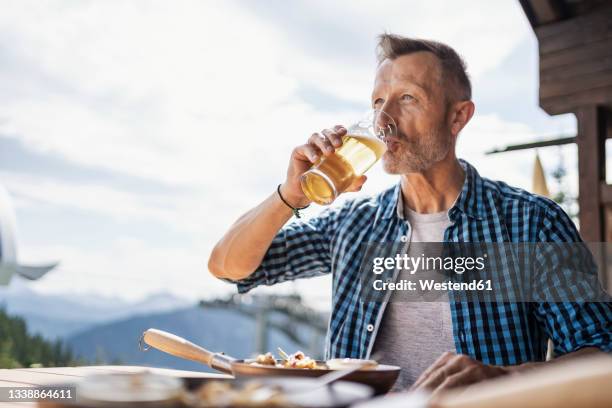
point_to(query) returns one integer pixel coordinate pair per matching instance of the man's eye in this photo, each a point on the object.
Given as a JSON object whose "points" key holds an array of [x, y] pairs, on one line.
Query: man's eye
{"points": [[407, 97], [378, 101]]}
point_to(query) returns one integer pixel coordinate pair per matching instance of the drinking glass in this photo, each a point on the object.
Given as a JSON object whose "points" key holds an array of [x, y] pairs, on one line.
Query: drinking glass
{"points": [[362, 146]]}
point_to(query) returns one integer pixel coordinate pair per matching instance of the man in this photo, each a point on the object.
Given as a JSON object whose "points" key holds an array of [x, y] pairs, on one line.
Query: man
{"points": [[424, 87]]}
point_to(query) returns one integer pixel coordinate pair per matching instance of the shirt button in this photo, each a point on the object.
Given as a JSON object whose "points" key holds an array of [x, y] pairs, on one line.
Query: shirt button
{"points": [[370, 328]]}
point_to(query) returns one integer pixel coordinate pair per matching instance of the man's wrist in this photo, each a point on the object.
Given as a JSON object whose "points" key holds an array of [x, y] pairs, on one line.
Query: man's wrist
{"points": [[294, 200]]}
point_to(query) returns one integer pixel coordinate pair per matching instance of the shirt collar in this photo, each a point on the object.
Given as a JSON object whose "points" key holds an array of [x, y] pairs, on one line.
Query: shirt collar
{"points": [[470, 200], [400, 206]]}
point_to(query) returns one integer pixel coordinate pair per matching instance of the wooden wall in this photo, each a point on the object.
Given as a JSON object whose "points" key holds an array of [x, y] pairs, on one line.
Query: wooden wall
{"points": [[575, 47], [576, 62]]}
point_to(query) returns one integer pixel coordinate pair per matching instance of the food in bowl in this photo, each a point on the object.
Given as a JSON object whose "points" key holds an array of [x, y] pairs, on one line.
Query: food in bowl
{"points": [[300, 360], [266, 359], [295, 360]]}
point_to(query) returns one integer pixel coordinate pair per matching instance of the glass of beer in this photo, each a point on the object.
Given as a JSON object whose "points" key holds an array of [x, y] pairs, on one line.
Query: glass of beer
{"points": [[362, 146]]}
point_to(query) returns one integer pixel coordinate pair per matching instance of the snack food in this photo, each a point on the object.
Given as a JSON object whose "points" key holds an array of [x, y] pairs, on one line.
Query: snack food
{"points": [[295, 360], [300, 360], [266, 359]]}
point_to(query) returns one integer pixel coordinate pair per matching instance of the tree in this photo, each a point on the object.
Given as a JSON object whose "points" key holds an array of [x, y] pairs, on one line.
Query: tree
{"points": [[562, 196], [18, 348]]}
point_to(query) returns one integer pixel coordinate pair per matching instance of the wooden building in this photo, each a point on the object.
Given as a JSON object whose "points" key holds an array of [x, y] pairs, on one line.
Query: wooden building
{"points": [[575, 57], [575, 48]]}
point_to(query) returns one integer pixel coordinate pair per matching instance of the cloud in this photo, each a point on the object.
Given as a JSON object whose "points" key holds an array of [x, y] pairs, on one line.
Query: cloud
{"points": [[129, 268], [147, 99], [159, 98]]}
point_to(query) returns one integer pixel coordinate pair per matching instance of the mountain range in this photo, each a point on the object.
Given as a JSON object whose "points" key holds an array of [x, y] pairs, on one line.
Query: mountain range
{"points": [[57, 316], [107, 330], [218, 330]]}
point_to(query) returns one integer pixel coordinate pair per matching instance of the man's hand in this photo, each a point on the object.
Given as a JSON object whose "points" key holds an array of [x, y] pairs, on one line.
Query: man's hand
{"points": [[453, 370], [305, 156]]}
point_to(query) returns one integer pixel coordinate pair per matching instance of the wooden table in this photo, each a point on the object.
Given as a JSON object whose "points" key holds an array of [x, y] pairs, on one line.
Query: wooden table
{"points": [[34, 377], [579, 382]]}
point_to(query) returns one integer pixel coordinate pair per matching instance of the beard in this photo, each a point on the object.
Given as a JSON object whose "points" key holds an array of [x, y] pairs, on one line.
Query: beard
{"points": [[419, 154]]}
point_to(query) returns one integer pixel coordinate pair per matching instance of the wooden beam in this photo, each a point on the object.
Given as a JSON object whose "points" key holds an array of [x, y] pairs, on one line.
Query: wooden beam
{"points": [[591, 170], [577, 54], [606, 193], [564, 104], [587, 28], [533, 145], [580, 68], [547, 11], [571, 25], [598, 30], [553, 89]]}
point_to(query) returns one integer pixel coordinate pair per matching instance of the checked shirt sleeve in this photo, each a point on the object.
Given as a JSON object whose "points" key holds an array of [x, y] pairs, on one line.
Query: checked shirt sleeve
{"points": [[572, 325], [301, 249]]}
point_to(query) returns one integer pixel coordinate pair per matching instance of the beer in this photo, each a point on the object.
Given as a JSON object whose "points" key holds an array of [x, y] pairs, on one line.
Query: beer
{"points": [[333, 174]]}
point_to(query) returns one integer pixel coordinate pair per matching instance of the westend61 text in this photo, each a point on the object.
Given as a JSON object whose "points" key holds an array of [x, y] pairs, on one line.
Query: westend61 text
{"points": [[431, 284]]}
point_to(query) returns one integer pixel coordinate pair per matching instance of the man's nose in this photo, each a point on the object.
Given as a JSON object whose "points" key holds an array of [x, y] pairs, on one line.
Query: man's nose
{"points": [[385, 123]]}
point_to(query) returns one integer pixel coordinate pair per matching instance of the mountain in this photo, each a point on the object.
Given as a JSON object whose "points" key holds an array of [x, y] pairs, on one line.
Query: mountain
{"points": [[215, 329], [57, 316]]}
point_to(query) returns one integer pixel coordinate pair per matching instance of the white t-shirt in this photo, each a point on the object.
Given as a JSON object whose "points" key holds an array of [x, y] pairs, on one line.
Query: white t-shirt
{"points": [[414, 334]]}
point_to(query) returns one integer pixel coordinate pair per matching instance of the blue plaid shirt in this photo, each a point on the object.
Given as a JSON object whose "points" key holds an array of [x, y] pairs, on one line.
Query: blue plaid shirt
{"points": [[501, 333]]}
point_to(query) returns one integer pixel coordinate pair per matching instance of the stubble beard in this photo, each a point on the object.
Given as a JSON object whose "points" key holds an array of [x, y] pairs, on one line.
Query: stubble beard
{"points": [[416, 156]]}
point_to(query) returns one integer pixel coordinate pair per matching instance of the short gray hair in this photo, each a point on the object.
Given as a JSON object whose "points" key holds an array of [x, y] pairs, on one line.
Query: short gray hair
{"points": [[454, 70]]}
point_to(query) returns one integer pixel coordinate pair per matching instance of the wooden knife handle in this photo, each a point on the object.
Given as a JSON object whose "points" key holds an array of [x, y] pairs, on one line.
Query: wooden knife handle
{"points": [[177, 346]]}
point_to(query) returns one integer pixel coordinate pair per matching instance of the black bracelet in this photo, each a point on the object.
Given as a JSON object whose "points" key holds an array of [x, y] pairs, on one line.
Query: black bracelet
{"points": [[296, 211]]}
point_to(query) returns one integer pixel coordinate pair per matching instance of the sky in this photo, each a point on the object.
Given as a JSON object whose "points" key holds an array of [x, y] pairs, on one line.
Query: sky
{"points": [[133, 133]]}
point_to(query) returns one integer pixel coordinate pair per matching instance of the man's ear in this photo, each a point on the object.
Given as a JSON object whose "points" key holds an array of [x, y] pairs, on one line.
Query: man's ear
{"points": [[462, 112]]}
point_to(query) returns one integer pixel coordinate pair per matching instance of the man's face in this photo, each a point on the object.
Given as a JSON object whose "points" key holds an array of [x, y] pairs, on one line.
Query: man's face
{"points": [[409, 88]]}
